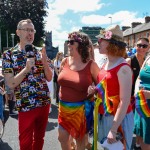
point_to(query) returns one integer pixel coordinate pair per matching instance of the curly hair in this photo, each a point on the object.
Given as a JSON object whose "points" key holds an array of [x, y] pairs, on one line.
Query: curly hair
{"points": [[84, 43]]}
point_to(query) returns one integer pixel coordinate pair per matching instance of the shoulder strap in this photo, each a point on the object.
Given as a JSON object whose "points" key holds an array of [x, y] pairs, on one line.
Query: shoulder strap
{"points": [[64, 61]]}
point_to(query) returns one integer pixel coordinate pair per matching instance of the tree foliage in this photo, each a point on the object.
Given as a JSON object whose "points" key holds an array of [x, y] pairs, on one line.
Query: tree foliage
{"points": [[12, 11]]}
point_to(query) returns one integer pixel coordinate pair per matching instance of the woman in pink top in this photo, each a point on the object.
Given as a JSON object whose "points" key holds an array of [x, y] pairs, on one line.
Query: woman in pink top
{"points": [[77, 72]]}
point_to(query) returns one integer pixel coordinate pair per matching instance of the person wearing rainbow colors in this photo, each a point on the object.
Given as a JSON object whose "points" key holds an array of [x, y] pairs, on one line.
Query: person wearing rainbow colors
{"points": [[77, 72], [142, 105], [115, 76]]}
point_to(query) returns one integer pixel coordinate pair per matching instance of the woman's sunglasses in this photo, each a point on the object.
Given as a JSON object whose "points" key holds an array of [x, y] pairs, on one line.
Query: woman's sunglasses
{"points": [[142, 45], [71, 42], [99, 41]]}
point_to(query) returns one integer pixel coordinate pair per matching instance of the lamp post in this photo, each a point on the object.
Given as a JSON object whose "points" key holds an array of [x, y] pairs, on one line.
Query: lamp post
{"points": [[110, 20], [12, 36]]}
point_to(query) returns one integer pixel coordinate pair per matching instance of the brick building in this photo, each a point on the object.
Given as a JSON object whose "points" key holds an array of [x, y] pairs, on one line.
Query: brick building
{"points": [[137, 30]]}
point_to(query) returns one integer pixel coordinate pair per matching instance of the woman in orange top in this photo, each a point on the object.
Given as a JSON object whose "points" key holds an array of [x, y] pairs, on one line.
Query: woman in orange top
{"points": [[77, 72]]}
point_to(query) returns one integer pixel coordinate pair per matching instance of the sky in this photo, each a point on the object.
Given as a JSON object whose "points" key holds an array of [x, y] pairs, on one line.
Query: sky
{"points": [[65, 16]]}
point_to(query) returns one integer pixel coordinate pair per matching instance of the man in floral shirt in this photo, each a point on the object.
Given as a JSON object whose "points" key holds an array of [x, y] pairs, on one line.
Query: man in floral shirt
{"points": [[27, 76]]}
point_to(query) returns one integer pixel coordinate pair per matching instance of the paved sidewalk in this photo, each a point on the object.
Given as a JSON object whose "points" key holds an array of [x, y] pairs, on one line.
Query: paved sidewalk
{"points": [[10, 137]]}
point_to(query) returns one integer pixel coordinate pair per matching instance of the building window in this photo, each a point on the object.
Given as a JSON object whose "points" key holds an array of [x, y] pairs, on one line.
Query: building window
{"points": [[147, 34]]}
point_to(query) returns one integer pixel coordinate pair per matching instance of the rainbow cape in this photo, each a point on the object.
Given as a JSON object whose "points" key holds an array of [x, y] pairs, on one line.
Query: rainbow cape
{"points": [[141, 105]]}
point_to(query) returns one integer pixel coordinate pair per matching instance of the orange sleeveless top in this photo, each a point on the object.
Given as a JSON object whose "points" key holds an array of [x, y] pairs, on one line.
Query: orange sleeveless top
{"points": [[74, 84]]}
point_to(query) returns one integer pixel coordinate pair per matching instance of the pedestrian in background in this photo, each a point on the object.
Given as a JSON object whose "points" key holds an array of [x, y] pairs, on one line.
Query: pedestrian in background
{"points": [[27, 76], [2, 92], [50, 83], [57, 62], [10, 100]]}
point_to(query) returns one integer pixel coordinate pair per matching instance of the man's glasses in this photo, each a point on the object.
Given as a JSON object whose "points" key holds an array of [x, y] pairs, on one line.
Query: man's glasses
{"points": [[142, 45], [28, 30], [71, 42]]}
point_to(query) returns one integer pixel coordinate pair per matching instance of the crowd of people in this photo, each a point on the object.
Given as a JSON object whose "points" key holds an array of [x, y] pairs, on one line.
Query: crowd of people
{"points": [[121, 81]]}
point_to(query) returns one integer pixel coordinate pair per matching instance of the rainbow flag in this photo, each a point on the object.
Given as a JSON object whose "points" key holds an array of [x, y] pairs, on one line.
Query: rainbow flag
{"points": [[102, 93], [141, 105], [101, 97], [96, 106]]}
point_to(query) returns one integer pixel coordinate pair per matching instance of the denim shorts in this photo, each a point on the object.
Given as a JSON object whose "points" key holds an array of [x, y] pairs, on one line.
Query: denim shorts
{"points": [[1, 107], [105, 124]]}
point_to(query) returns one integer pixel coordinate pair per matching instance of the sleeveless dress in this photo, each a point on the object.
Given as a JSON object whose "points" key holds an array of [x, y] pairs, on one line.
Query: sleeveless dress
{"points": [[142, 125]]}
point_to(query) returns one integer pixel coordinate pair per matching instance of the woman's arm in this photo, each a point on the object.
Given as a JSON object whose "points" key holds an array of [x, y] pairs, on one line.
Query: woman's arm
{"points": [[125, 83], [94, 71]]}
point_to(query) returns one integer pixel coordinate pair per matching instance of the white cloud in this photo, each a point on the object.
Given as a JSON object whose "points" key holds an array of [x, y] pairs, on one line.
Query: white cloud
{"points": [[59, 39], [62, 6], [75, 28], [52, 23], [57, 8], [124, 18]]}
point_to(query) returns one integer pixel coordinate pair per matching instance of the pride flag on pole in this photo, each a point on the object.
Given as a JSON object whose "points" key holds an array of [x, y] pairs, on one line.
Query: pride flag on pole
{"points": [[101, 96]]}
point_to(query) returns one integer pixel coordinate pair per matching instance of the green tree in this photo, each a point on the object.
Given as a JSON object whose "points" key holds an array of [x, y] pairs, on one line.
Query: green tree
{"points": [[12, 11]]}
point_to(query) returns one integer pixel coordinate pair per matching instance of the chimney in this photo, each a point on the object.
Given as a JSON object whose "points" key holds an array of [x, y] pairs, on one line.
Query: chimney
{"points": [[125, 28], [147, 19], [134, 24]]}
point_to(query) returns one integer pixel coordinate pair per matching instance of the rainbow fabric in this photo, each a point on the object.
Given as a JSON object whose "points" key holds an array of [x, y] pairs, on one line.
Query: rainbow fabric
{"points": [[141, 105], [76, 117], [100, 97], [102, 93], [96, 106]]}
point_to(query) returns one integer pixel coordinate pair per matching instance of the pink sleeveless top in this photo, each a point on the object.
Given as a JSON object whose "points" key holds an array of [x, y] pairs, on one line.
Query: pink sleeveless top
{"points": [[74, 84]]}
